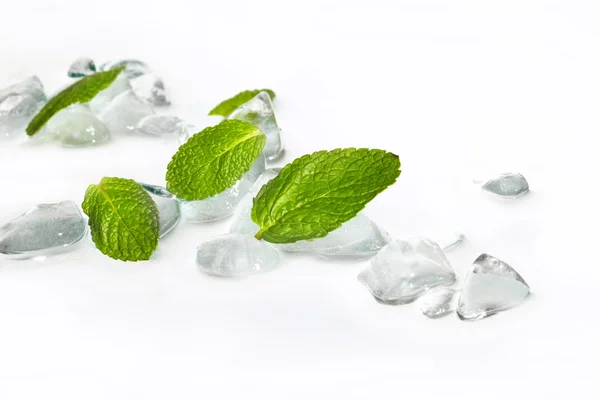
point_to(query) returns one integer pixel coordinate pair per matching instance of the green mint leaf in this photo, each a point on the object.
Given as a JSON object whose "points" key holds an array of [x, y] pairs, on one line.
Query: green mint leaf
{"points": [[214, 159], [81, 91], [123, 219], [318, 192], [228, 106]]}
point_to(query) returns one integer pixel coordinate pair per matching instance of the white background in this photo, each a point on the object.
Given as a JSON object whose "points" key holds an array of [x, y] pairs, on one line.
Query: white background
{"points": [[456, 89]]}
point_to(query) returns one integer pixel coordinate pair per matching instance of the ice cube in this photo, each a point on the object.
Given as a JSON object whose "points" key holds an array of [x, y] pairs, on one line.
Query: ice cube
{"points": [[259, 112], [31, 86], [168, 207], [44, 228], [124, 113], [77, 126], [236, 255], [81, 67], [150, 88], [438, 302], [223, 204], [510, 185], [404, 270], [103, 99], [15, 113], [133, 68], [160, 125], [491, 286]]}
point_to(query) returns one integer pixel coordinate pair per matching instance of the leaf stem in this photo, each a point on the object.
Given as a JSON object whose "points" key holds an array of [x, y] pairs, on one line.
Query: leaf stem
{"points": [[259, 235]]}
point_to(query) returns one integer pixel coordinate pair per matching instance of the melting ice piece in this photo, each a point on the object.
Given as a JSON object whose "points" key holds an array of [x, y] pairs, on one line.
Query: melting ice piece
{"points": [[222, 205], [160, 125], [404, 270], [490, 287], [19, 103], [168, 207], [236, 255], [506, 185], [259, 111], [124, 113], [437, 302], [31, 86], [77, 126], [81, 67], [133, 68], [185, 131], [42, 229], [151, 89], [103, 99]]}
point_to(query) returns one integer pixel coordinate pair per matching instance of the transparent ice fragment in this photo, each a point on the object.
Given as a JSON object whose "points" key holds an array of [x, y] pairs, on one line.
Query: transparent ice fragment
{"points": [[490, 287], [31, 86], [77, 126], [168, 207], [44, 228], [103, 99], [151, 89], [124, 113], [133, 68], [404, 270], [235, 255], [186, 131], [81, 67], [506, 185], [223, 204], [438, 302], [160, 125], [450, 242], [259, 112], [18, 104]]}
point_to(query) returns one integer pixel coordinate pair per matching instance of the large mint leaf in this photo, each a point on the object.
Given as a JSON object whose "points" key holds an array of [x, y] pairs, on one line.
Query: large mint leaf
{"points": [[82, 91], [214, 159], [228, 106], [318, 192], [123, 219]]}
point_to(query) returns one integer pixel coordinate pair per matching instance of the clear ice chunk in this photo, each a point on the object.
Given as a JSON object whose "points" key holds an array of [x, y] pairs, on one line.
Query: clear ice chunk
{"points": [[133, 68], [168, 207], [43, 229], [31, 86], [491, 286], [160, 125], [151, 89], [103, 99], [224, 204], [124, 113], [404, 270], [236, 255], [511, 185], [19, 103], [438, 302], [81, 67], [77, 126], [259, 112], [186, 131]]}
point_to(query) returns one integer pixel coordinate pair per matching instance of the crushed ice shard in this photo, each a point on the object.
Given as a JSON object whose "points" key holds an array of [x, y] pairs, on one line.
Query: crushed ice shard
{"points": [[82, 67], [151, 89], [511, 185], [259, 112], [124, 113], [18, 104], [31, 86], [404, 270], [160, 125], [103, 99], [223, 204], [491, 286], [77, 126], [133, 68], [236, 255], [168, 207], [438, 302], [42, 229]]}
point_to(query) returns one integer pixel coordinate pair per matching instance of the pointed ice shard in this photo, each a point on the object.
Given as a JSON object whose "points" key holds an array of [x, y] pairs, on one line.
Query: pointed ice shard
{"points": [[490, 287], [150, 88], [236, 255], [404, 270], [259, 111], [124, 113], [82, 67], [506, 185], [133, 68], [103, 99], [77, 126], [160, 125], [44, 228], [438, 302], [168, 207], [222, 205]]}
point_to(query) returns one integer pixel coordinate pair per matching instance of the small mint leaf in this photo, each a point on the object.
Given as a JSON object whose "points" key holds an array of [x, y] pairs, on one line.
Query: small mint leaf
{"points": [[228, 106], [214, 159], [123, 219], [316, 193], [82, 91]]}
